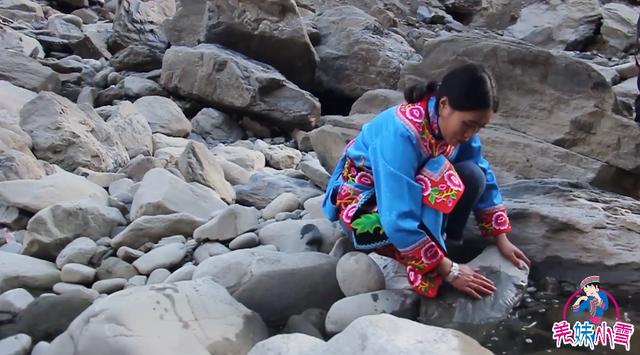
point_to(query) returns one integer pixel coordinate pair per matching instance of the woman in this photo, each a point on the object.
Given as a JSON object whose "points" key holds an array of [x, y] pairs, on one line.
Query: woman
{"points": [[413, 175]]}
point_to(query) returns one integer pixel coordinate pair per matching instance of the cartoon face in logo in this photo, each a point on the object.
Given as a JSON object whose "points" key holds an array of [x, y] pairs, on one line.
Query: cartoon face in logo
{"points": [[593, 301]]}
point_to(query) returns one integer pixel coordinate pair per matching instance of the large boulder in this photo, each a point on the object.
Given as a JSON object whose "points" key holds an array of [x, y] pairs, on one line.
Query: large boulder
{"points": [[27, 72], [15, 41], [51, 229], [569, 230], [237, 83], [16, 165], [21, 271], [271, 33], [276, 285], [64, 134], [163, 193], [35, 195], [132, 128], [552, 88], [139, 22], [558, 24], [263, 188], [189, 317], [329, 142], [22, 10], [376, 334], [357, 54], [618, 27], [295, 236]]}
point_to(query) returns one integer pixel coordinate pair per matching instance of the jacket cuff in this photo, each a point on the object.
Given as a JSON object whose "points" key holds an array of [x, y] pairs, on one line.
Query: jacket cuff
{"points": [[493, 221], [421, 261]]}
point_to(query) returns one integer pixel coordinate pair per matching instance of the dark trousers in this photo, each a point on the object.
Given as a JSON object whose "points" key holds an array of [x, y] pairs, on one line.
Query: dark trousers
{"points": [[474, 182]]}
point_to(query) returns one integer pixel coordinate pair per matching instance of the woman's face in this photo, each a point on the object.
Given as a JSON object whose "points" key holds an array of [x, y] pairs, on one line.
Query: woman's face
{"points": [[458, 126]]}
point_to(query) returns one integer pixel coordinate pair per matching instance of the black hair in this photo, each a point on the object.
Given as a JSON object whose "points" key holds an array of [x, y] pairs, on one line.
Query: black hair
{"points": [[596, 284], [469, 87]]}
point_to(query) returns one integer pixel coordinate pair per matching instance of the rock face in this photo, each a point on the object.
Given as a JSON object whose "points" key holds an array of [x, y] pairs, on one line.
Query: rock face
{"points": [[376, 334], [194, 317], [270, 33], [138, 22], [559, 110], [618, 26], [276, 285], [357, 54], [565, 24], [592, 232], [64, 134], [238, 83], [132, 128]]}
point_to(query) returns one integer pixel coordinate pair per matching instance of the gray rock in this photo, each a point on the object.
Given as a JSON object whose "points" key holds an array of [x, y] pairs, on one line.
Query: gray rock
{"points": [[136, 281], [16, 165], [134, 87], [237, 85], [40, 349], [67, 27], [114, 268], [158, 276], [21, 271], [198, 164], [184, 273], [565, 100], [287, 202], [27, 73], [51, 229], [163, 193], [78, 273], [357, 273], [228, 224], [128, 254], [376, 334], [98, 178], [233, 173], [153, 228], [452, 309], [313, 170], [16, 345], [400, 303], [213, 124], [190, 308], [15, 41], [310, 322], [264, 188], [88, 16], [376, 101], [132, 128], [276, 285], [244, 241], [23, 10], [140, 165], [138, 22], [63, 288], [357, 54], [79, 251], [35, 195], [209, 249], [137, 58], [282, 157], [234, 24], [294, 236], [164, 116], [80, 138], [328, 142], [15, 301], [109, 286], [568, 25], [242, 156], [163, 257]]}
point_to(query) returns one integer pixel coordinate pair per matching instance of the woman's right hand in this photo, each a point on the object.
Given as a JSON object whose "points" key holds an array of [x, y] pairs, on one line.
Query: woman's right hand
{"points": [[471, 282]]}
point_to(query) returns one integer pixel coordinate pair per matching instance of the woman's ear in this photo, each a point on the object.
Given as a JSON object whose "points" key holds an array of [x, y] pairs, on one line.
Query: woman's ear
{"points": [[444, 102]]}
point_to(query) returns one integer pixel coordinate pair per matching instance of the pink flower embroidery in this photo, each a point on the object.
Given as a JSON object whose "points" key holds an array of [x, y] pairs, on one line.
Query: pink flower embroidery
{"points": [[414, 276], [500, 220], [426, 184], [430, 253], [364, 178], [453, 180], [415, 113], [348, 213]]}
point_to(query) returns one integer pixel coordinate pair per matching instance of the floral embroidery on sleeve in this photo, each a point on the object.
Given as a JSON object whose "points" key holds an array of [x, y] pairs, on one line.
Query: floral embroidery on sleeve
{"points": [[493, 221]]}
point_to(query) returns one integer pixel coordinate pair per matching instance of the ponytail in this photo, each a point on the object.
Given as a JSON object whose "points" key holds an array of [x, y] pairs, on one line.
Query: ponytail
{"points": [[418, 92]]}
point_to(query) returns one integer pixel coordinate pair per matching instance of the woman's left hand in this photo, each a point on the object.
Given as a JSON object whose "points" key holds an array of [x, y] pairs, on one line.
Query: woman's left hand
{"points": [[511, 252]]}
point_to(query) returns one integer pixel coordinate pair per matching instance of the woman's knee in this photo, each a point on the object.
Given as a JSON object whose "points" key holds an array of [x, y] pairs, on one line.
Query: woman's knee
{"points": [[472, 177]]}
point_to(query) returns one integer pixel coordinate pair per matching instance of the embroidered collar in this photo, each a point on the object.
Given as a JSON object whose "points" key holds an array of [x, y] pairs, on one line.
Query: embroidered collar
{"points": [[423, 121]]}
